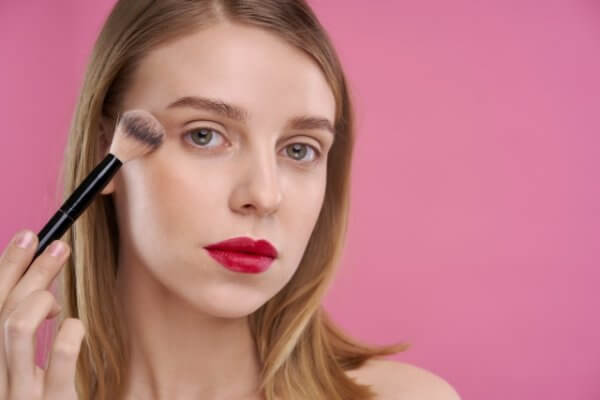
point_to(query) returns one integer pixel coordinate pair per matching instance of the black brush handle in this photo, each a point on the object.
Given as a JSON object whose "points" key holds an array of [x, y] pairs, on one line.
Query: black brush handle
{"points": [[77, 202]]}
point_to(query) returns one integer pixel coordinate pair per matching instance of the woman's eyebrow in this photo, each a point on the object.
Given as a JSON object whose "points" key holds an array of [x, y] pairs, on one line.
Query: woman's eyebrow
{"points": [[214, 105], [239, 114], [308, 122]]}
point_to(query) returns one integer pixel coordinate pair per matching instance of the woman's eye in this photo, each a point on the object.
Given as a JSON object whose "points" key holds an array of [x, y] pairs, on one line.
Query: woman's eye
{"points": [[301, 152], [209, 138], [206, 137]]}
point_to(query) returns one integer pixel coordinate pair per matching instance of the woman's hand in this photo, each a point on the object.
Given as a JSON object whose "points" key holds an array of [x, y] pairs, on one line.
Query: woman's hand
{"points": [[24, 303]]}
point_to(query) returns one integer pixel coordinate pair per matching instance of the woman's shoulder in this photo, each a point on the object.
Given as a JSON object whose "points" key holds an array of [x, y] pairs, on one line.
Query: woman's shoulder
{"points": [[392, 380]]}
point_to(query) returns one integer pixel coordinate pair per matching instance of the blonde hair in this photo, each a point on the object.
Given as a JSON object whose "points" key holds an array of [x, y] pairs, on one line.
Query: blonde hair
{"points": [[302, 354]]}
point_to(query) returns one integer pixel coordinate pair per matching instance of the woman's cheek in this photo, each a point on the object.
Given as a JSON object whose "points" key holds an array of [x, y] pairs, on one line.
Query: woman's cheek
{"points": [[185, 196]]}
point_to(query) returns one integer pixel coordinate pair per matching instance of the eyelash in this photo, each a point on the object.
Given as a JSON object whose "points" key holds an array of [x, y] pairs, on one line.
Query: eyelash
{"points": [[316, 156]]}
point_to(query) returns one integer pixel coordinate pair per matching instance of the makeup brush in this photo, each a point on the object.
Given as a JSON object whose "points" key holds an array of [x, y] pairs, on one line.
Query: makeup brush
{"points": [[137, 133]]}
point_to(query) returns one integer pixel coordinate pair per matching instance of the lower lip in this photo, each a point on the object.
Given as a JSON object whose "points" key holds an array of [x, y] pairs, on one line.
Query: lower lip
{"points": [[241, 262]]}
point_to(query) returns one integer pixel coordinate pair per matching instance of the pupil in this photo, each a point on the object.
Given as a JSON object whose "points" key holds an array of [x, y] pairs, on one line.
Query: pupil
{"points": [[204, 136], [297, 151]]}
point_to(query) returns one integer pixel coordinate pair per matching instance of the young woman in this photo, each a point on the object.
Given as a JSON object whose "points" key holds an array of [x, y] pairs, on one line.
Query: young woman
{"points": [[258, 148]]}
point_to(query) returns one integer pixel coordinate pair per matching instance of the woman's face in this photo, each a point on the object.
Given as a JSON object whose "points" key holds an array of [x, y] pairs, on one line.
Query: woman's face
{"points": [[245, 156]]}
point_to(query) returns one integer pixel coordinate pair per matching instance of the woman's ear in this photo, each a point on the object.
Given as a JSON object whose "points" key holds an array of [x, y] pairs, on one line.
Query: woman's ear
{"points": [[105, 139]]}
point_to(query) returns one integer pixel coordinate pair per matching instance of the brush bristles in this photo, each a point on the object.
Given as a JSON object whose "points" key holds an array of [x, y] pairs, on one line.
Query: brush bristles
{"points": [[137, 133]]}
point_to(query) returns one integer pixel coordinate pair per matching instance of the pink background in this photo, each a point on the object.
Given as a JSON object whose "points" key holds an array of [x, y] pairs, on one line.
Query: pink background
{"points": [[476, 201]]}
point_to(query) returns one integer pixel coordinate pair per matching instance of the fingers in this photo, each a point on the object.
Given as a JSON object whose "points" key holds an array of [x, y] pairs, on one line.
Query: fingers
{"points": [[39, 276], [60, 375], [24, 304], [14, 260], [20, 328]]}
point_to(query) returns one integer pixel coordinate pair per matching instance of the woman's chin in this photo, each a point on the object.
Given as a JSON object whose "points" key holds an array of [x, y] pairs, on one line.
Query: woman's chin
{"points": [[229, 305]]}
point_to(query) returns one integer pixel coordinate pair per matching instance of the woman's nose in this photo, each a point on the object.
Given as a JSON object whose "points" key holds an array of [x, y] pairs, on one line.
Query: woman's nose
{"points": [[258, 190]]}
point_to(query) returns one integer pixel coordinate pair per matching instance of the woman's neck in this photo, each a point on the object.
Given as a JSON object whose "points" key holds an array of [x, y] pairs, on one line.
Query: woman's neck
{"points": [[178, 352]]}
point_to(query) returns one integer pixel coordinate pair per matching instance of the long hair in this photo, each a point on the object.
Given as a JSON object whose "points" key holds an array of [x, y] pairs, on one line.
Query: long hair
{"points": [[303, 354]]}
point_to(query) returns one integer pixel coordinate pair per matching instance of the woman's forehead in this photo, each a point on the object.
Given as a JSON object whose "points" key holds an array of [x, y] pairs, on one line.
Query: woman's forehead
{"points": [[245, 65]]}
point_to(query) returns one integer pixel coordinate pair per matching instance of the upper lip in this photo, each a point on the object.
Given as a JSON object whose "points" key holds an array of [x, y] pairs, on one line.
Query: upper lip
{"points": [[245, 245]]}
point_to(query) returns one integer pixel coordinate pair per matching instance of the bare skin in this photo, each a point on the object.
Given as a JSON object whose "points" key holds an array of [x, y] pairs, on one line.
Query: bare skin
{"points": [[24, 304]]}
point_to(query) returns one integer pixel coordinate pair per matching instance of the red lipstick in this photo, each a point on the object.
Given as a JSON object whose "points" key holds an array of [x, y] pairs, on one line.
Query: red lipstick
{"points": [[243, 254]]}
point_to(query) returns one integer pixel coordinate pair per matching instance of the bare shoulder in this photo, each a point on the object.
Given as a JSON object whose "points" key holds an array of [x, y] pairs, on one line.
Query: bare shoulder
{"points": [[392, 380]]}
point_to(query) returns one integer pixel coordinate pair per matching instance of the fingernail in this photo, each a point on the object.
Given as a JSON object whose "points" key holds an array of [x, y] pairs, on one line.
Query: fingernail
{"points": [[56, 249], [25, 240]]}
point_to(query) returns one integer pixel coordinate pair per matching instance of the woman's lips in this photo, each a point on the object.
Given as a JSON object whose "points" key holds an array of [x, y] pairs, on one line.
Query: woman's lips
{"points": [[241, 262], [243, 254], [245, 245]]}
